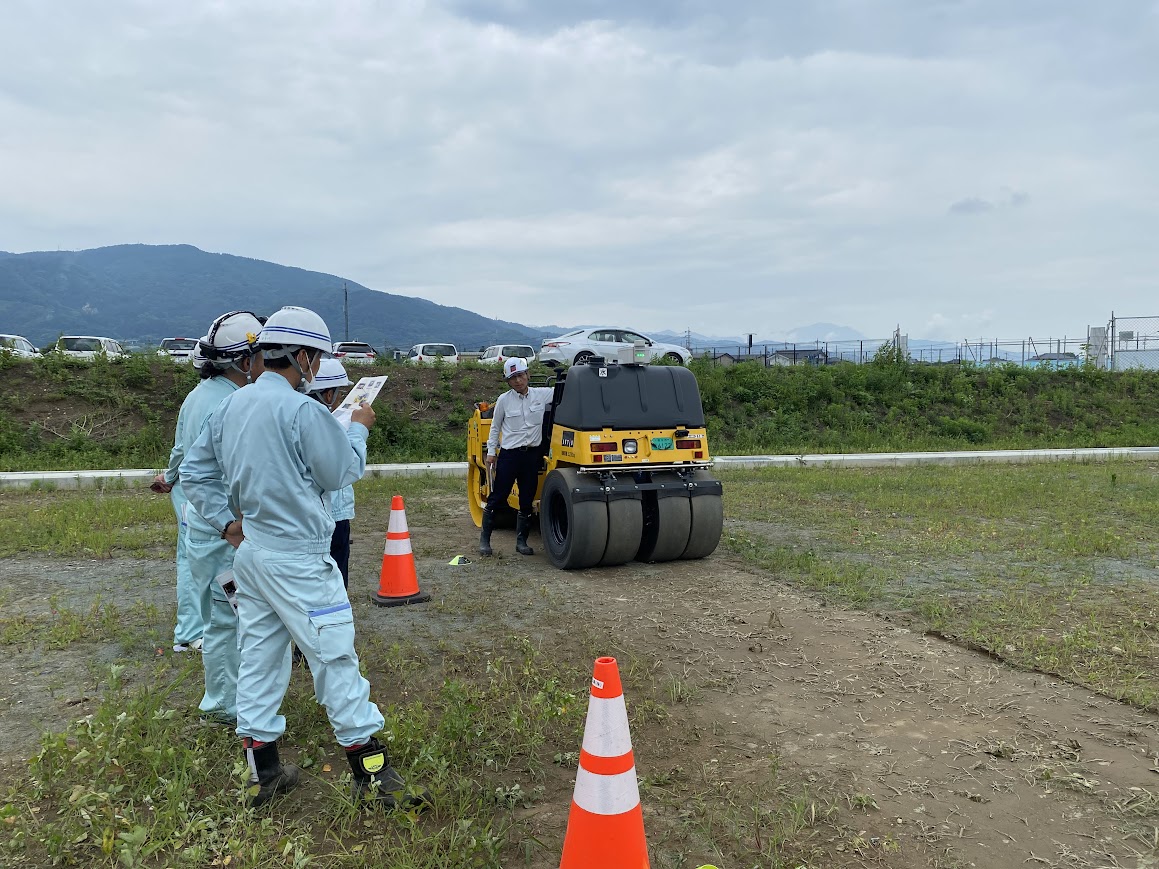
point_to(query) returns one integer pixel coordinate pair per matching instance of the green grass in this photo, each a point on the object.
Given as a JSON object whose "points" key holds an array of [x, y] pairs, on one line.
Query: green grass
{"points": [[87, 523], [1053, 567]]}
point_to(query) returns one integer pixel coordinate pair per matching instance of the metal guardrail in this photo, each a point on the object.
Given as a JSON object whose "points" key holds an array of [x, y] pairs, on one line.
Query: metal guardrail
{"points": [[143, 477]]}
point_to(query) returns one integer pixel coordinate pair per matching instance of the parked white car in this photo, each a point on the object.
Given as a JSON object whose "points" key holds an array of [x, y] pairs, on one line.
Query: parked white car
{"points": [[178, 349], [577, 347], [18, 346], [88, 346], [355, 353], [500, 353], [432, 352]]}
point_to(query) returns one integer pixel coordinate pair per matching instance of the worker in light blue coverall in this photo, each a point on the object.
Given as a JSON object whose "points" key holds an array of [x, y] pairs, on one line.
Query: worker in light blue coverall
{"points": [[324, 388], [192, 611], [273, 452], [231, 360]]}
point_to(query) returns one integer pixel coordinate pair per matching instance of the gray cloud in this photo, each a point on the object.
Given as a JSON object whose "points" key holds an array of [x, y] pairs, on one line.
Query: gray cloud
{"points": [[668, 164]]}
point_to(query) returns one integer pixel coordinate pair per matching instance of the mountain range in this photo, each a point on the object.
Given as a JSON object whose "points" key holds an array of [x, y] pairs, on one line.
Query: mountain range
{"points": [[140, 294]]}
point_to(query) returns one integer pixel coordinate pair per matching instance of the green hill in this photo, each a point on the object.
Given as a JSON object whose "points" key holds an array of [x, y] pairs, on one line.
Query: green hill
{"points": [[144, 293]]}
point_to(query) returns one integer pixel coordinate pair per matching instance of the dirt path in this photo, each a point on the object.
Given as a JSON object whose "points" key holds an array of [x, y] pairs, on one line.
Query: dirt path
{"points": [[923, 753]]}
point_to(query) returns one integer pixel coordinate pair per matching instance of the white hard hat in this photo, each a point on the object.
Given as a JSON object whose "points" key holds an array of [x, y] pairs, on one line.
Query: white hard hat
{"points": [[330, 375], [293, 327], [514, 365], [198, 353], [231, 336]]}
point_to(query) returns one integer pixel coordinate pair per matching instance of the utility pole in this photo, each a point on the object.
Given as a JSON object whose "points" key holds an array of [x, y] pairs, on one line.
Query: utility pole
{"points": [[346, 309]]}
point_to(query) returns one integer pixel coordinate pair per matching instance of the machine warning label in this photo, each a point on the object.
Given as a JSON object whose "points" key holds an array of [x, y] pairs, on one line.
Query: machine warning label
{"points": [[568, 439], [613, 457]]}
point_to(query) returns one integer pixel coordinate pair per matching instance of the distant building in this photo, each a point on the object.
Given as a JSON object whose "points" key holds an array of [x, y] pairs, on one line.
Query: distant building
{"points": [[799, 356]]}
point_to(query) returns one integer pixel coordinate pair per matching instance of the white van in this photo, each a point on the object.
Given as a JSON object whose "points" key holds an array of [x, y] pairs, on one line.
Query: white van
{"points": [[499, 353], [448, 353]]}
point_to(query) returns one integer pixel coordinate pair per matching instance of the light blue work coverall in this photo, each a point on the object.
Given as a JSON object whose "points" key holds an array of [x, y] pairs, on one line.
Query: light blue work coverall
{"points": [[192, 609], [209, 556], [274, 453]]}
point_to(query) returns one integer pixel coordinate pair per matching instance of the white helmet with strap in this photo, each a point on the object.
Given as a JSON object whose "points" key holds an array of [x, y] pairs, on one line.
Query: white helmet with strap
{"points": [[331, 375], [291, 329], [231, 337], [199, 353]]}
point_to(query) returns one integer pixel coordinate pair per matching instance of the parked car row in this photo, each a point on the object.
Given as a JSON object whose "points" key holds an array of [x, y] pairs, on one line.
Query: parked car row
{"points": [[572, 348]]}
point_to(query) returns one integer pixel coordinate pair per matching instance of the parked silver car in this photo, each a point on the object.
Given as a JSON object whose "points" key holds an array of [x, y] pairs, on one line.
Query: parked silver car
{"points": [[355, 353], [577, 347]]}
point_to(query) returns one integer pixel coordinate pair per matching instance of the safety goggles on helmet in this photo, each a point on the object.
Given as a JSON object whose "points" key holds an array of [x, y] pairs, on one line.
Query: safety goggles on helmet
{"points": [[232, 336]]}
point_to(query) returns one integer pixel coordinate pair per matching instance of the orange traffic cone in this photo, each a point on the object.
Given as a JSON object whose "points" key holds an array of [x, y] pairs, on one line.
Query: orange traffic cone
{"points": [[398, 583], [606, 826]]}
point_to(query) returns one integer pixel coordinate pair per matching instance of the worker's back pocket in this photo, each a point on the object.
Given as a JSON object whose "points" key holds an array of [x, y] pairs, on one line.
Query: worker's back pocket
{"points": [[334, 630]]}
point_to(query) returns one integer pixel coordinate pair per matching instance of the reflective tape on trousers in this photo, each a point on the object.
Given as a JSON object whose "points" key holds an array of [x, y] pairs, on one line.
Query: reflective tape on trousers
{"points": [[606, 794], [398, 547], [397, 522], [606, 731]]}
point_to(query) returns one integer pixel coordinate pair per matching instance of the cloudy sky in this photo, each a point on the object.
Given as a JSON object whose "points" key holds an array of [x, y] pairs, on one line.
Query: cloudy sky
{"points": [[958, 167]]}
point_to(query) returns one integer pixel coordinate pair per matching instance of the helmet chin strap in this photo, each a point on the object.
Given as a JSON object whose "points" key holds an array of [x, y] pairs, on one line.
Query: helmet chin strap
{"points": [[305, 382]]}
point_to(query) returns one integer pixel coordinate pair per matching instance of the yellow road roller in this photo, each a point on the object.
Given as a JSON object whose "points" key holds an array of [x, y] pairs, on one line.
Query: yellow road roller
{"points": [[626, 468]]}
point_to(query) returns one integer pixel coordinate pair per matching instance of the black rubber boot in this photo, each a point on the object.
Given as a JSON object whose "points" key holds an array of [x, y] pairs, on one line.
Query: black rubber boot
{"points": [[485, 534], [269, 773], [376, 781], [522, 524]]}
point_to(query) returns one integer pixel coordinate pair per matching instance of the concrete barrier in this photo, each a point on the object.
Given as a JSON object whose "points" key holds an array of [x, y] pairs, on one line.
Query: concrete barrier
{"points": [[143, 477]]}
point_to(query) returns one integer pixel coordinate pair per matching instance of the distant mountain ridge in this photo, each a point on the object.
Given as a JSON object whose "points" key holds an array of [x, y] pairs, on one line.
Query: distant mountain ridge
{"points": [[143, 293]]}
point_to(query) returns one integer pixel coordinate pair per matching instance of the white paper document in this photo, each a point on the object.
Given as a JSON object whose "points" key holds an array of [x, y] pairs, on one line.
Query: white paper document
{"points": [[366, 389]]}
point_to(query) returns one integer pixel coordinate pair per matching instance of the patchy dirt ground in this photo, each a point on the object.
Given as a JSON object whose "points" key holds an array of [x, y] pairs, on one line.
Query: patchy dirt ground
{"points": [[929, 755]]}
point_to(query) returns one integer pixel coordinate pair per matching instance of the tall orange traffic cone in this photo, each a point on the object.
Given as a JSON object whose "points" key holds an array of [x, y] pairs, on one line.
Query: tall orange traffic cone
{"points": [[606, 826], [398, 583]]}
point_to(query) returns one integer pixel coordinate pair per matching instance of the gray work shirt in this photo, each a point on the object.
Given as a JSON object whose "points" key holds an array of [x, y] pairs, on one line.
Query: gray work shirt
{"points": [[518, 419]]}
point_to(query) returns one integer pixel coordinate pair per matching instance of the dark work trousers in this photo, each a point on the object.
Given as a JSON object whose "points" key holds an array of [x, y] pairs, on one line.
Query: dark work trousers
{"points": [[340, 548], [520, 465]]}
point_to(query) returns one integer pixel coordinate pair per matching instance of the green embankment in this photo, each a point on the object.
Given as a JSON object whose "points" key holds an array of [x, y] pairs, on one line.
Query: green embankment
{"points": [[59, 414]]}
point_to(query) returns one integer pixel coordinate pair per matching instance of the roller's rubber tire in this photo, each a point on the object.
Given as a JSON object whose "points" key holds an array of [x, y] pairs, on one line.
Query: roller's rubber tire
{"points": [[625, 528], [574, 533], [707, 525], [476, 498], [666, 537], [582, 357]]}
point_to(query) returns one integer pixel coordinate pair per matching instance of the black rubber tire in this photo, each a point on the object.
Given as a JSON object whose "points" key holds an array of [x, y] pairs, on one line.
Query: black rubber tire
{"points": [[582, 357], [625, 527], [666, 536], [674, 357], [707, 525], [574, 533]]}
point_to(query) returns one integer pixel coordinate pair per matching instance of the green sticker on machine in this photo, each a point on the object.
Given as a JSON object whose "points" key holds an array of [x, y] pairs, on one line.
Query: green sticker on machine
{"points": [[662, 443]]}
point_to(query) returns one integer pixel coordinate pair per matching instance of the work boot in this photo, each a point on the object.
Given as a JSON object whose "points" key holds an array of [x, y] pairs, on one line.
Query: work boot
{"points": [[485, 534], [268, 772], [522, 525], [378, 783]]}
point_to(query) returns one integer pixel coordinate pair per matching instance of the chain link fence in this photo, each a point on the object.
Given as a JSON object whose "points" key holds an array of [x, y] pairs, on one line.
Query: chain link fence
{"points": [[1133, 343]]}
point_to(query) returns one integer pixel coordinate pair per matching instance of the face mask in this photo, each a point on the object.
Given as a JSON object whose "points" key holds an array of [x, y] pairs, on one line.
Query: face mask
{"points": [[306, 384]]}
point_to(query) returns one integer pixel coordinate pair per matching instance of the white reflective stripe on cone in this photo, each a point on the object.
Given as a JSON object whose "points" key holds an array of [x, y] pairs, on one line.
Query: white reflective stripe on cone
{"points": [[606, 794], [397, 522], [398, 547], [606, 731]]}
